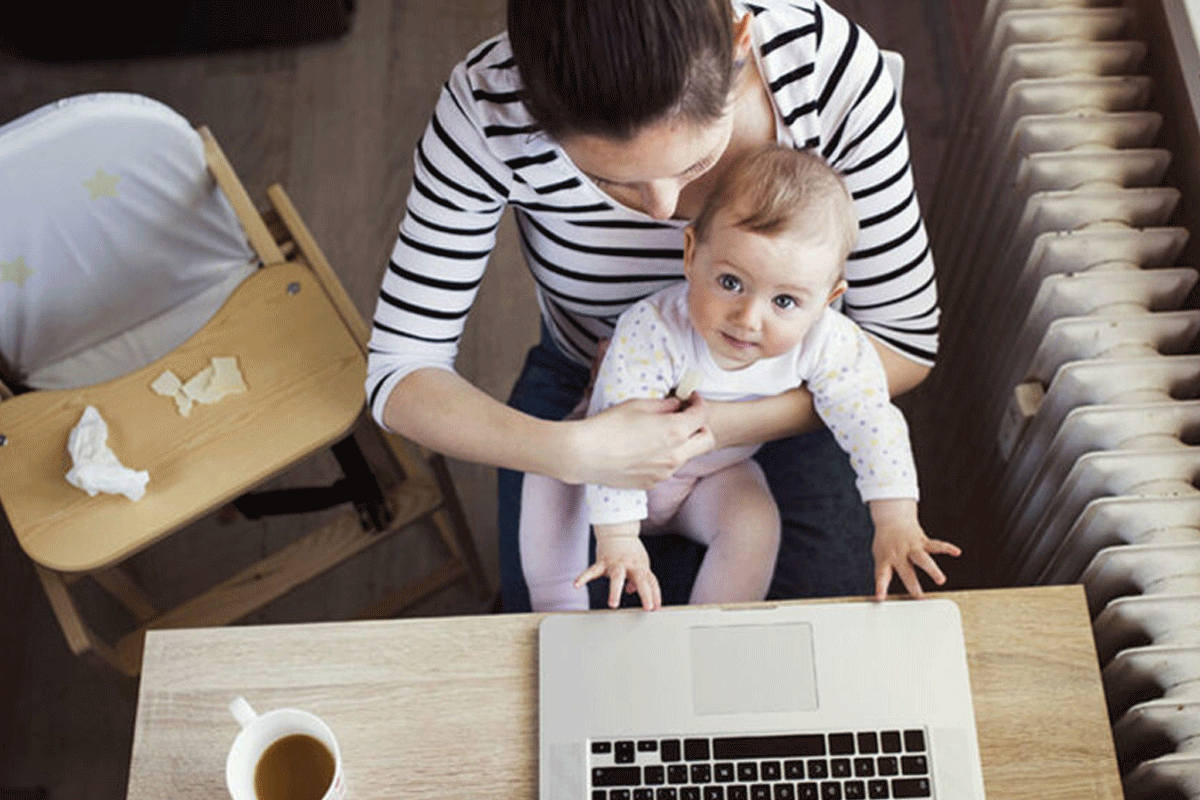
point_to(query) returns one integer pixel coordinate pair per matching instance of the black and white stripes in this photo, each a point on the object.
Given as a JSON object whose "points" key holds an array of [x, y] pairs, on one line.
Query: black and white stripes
{"points": [[589, 256]]}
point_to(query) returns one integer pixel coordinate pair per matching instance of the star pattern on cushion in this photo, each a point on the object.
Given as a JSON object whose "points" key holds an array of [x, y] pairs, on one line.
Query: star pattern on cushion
{"points": [[16, 271], [102, 184]]}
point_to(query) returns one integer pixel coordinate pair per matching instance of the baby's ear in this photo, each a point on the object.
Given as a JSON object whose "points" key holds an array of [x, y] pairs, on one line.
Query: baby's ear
{"points": [[689, 249], [837, 291], [742, 37]]}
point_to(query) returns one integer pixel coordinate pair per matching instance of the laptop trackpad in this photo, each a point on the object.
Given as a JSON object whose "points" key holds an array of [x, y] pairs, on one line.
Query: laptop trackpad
{"points": [[739, 669]]}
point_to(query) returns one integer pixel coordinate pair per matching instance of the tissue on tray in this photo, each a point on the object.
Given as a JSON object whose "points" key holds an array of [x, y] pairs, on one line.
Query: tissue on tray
{"points": [[96, 468]]}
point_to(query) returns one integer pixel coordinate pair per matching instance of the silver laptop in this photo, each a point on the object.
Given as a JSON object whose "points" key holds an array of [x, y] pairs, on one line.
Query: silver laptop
{"points": [[832, 701]]}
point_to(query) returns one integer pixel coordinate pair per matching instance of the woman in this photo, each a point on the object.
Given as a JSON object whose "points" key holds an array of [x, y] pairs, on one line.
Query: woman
{"points": [[603, 126]]}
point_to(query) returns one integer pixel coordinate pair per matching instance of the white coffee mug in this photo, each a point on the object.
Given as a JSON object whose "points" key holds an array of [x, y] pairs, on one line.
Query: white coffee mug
{"points": [[261, 731]]}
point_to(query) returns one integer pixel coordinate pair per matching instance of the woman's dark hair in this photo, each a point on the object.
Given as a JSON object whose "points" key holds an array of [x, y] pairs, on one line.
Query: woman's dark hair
{"points": [[609, 67]]}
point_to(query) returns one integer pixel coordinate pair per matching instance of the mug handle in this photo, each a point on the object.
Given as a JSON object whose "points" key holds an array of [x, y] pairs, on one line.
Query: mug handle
{"points": [[242, 711]]}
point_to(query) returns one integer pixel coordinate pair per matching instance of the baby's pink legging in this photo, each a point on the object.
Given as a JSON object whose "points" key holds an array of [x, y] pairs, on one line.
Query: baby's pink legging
{"points": [[730, 510]]}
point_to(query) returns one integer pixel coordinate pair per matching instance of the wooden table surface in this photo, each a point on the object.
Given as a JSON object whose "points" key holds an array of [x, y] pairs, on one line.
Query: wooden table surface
{"points": [[447, 707]]}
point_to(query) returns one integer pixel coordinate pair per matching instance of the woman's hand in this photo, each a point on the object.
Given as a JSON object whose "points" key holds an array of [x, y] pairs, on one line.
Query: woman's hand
{"points": [[638, 443]]}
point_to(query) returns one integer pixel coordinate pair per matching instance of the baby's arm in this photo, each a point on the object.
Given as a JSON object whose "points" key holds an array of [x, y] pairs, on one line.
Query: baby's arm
{"points": [[850, 392], [621, 556], [638, 363]]}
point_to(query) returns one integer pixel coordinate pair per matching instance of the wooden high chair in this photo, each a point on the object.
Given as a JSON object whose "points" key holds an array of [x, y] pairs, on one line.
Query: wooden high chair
{"points": [[301, 346]]}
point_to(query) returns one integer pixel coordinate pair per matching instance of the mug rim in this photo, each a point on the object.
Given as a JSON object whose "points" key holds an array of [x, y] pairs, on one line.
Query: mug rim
{"points": [[326, 738]]}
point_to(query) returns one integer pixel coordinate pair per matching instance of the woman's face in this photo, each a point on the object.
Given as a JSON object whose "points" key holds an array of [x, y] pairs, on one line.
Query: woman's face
{"points": [[647, 172]]}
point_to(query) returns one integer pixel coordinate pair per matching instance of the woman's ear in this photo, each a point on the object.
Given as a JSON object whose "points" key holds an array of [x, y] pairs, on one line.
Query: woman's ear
{"points": [[837, 291]]}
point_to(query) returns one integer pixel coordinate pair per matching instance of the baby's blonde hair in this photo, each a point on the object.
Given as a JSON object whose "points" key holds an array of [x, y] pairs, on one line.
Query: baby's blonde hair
{"points": [[774, 189]]}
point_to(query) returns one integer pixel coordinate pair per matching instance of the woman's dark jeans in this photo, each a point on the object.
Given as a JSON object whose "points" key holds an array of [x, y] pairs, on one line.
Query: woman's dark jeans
{"points": [[826, 546]]}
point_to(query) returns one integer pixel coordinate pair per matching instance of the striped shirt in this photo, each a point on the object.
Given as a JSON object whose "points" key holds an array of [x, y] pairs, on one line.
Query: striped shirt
{"points": [[591, 257]]}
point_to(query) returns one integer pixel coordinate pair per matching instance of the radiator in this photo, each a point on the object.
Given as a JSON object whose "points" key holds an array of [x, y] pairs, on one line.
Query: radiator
{"points": [[1064, 413]]}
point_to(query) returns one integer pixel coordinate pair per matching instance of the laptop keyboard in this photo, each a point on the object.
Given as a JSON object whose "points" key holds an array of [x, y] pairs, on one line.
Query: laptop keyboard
{"points": [[861, 765]]}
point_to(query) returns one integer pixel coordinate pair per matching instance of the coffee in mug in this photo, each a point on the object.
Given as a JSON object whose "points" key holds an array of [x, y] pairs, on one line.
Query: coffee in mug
{"points": [[285, 754], [296, 767]]}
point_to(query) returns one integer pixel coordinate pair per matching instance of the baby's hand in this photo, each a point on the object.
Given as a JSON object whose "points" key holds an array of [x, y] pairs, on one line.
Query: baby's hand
{"points": [[623, 558], [900, 544]]}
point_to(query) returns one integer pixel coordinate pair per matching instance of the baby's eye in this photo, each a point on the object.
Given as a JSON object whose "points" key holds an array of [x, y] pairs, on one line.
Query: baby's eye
{"points": [[728, 282], [786, 301]]}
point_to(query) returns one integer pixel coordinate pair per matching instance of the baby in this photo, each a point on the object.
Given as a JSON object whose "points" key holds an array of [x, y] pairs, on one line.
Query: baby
{"points": [[763, 261]]}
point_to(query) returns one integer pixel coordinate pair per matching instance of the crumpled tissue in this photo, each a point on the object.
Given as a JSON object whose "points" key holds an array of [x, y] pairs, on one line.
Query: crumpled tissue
{"points": [[96, 468]]}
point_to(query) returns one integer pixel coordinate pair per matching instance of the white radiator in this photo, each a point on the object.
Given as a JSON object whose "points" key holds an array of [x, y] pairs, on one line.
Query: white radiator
{"points": [[1065, 406]]}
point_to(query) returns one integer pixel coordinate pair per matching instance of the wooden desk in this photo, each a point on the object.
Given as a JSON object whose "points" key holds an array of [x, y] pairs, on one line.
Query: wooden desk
{"points": [[447, 707]]}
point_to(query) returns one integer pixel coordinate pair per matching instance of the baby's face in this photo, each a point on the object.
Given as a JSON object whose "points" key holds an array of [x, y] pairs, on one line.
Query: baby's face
{"points": [[753, 296]]}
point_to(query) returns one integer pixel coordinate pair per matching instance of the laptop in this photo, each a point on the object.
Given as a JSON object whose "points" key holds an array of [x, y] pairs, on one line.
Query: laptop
{"points": [[832, 701]]}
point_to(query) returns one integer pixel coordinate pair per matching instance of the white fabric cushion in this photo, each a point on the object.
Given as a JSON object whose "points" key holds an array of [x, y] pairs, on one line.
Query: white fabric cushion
{"points": [[137, 346], [115, 243]]}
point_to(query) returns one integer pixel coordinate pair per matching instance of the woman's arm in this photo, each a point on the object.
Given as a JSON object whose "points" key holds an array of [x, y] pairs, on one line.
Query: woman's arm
{"points": [[756, 421], [903, 374], [631, 445], [892, 292]]}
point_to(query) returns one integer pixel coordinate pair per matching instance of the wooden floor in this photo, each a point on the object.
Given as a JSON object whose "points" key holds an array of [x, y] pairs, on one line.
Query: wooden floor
{"points": [[335, 122]]}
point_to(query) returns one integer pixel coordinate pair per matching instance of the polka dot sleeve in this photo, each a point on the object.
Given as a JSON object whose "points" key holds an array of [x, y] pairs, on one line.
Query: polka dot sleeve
{"points": [[642, 361], [850, 393]]}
